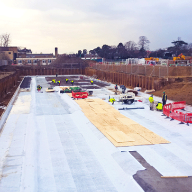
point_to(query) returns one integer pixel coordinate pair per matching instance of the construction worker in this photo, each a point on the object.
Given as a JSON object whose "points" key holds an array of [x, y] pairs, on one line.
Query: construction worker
{"points": [[39, 88], [66, 80], [116, 87], [123, 89], [164, 98], [159, 106], [112, 100], [59, 82], [151, 100], [91, 82], [53, 80], [72, 82]]}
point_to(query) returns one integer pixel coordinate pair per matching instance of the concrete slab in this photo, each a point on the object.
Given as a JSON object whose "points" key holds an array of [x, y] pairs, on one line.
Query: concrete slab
{"points": [[51, 147]]}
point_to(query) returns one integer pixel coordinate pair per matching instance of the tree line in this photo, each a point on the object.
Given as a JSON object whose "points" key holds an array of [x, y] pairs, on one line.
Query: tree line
{"points": [[131, 49]]}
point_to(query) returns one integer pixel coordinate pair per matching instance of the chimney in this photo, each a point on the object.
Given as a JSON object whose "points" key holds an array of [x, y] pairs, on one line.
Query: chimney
{"points": [[56, 52]]}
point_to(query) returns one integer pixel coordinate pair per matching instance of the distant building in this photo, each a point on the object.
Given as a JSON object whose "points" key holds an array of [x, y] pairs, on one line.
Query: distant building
{"points": [[25, 57], [92, 57], [10, 52], [36, 59], [24, 51]]}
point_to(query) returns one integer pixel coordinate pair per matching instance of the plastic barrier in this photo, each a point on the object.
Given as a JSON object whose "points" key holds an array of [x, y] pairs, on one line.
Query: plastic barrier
{"points": [[177, 115], [188, 118], [178, 105], [77, 95], [171, 110], [167, 109]]}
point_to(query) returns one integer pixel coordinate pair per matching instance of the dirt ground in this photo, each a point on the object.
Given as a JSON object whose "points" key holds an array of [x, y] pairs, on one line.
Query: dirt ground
{"points": [[178, 91]]}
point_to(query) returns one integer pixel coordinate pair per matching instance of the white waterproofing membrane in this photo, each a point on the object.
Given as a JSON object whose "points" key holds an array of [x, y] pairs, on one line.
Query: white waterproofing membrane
{"points": [[47, 144]]}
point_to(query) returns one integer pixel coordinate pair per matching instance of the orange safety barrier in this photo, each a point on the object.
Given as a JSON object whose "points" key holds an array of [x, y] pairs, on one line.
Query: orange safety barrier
{"points": [[77, 95]]}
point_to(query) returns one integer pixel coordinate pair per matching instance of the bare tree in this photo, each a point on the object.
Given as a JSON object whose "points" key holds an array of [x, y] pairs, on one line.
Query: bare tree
{"points": [[143, 43], [130, 46], [5, 40]]}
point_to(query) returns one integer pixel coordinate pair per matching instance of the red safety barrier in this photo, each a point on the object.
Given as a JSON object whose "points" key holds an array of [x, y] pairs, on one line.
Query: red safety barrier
{"points": [[171, 110], [178, 105], [82, 95], [177, 115], [167, 109], [188, 118]]}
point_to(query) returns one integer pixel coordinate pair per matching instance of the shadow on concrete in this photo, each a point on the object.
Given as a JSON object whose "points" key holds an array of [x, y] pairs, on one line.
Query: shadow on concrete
{"points": [[150, 179]]}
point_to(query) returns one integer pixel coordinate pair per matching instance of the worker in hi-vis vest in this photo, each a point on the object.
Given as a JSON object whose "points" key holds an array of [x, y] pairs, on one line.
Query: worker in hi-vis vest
{"points": [[159, 106], [112, 100], [151, 100]]}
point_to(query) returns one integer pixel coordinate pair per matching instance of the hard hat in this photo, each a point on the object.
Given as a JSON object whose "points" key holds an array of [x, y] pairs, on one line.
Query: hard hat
{"points": [[163, 91]]}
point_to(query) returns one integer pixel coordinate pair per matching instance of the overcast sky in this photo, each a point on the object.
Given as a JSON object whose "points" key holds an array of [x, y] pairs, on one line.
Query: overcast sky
{"points": [[72, 25]]}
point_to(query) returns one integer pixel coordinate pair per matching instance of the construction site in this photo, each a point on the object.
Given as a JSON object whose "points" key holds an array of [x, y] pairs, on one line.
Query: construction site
{"points": [[92, 128]]}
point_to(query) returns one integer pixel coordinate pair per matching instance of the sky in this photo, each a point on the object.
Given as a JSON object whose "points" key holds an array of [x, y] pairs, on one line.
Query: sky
{"points": [[72, 25]]}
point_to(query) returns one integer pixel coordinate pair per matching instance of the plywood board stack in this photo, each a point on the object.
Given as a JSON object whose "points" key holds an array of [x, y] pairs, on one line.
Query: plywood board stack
{"points": [[120, 130]]}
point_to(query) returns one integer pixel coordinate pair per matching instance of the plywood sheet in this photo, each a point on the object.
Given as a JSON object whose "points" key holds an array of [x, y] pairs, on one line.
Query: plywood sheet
{"points": [[63, 88], [120, 130], [126, 121], [119, 136], [149, 135], [50, 90]]}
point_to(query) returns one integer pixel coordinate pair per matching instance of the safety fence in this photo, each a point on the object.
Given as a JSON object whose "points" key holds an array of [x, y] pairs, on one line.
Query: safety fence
{"points": [[78, 95], [172, 110]]}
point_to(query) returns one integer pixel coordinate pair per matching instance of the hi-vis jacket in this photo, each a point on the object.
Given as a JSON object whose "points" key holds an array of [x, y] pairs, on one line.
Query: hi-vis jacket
{"points": [[151, 100]]}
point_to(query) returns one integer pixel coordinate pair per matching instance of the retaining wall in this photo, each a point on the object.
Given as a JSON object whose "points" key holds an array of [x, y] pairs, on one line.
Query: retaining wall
{"points": [[128, 80], [49, 71], [7, 83]]}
